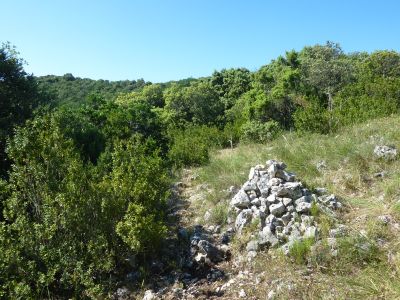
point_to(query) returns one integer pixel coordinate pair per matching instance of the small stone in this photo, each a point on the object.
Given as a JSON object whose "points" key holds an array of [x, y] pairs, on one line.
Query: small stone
{"points": [[251, 255], [207, 216], [286, 218], [270, 162], [149, 295], [271, 295], [256, 202], [271, 199], [385, 152], [285, 176], [242, 294], [321, 191], [340, 231], [252, 195], [263, 186], [303, 207], [252, 246], [249, 186], [270, 219], [272, 170], [384, 219], [252, 173], [267, 238], [290, 208], [380, 174], [259, 168], [277, 209], [240, 200], [311, 232], [306, 199], [321, 165], [123, 293], [275, 181], [287, 201], [243, 219]]}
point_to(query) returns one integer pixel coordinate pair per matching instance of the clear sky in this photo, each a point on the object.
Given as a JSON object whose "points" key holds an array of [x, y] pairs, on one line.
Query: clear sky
{"points": [[161, 40]]}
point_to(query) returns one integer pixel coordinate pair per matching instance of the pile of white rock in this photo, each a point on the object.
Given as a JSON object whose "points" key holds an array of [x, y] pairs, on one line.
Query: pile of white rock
{"points": [[280, 206]]}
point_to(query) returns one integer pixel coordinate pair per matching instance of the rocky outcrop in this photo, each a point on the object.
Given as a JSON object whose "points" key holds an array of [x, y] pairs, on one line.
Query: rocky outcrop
{"points": [[280, 207]]}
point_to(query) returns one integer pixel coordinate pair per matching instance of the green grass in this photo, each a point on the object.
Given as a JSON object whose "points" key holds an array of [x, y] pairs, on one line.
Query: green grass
{"points": [[300, 250]]}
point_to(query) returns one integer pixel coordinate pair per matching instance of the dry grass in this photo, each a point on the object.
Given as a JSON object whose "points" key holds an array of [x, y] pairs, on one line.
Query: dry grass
{"points": [[350, 174]]}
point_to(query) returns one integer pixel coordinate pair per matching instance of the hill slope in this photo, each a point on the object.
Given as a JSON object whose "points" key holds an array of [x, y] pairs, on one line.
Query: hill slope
{"points": [[367, 264]]}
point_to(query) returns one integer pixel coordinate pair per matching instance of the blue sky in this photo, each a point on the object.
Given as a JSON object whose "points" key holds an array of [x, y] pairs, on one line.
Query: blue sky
{"points": [[161, 40]]}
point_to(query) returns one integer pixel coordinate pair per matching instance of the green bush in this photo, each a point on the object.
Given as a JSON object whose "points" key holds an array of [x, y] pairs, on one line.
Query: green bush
{"points": [[70, 225], [190, 146], [259, 132], [314, 118]]}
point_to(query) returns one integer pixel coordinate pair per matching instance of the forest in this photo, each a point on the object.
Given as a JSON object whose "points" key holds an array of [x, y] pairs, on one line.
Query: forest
{"points": [[86, 166]]}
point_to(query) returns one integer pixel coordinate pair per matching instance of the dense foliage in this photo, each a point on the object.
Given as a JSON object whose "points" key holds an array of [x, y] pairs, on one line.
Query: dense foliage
{"points": [[70, 90], [85, 176], [18, 97]]}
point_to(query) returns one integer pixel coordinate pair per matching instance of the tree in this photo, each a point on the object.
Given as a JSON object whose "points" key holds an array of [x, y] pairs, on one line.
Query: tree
{"points": [[18, 97], [385, 64], [231, 84], [198, 103], [326, 69]]}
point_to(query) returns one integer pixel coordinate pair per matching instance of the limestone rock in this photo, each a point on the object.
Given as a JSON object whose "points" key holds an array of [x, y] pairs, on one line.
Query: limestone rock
{"points": [[149, 295], [243, 219], [303, 207], [240, 200], [277, 209], [267, 238], [252, 246], [385, 152]]}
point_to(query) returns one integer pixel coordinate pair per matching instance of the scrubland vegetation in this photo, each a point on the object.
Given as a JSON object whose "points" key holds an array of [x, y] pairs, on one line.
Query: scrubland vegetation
{"points": [[86, 166]]}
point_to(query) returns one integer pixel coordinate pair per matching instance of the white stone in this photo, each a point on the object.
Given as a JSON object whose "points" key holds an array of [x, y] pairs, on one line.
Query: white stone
{"points": [[277, 209], [149, 295]]}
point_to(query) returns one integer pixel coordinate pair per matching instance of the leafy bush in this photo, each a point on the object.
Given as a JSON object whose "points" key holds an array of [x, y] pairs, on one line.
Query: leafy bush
{"points": [[313, 118], [70, 225], [190, 146], [260, 132]]}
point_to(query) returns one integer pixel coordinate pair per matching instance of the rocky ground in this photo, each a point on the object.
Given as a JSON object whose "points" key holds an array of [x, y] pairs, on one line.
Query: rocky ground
{"points": [[272, 200], [255, 254]]}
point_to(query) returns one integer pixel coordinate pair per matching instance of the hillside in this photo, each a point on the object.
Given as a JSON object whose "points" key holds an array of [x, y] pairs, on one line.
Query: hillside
{"points": [[185, 188], [367, 262], [72, 90]]}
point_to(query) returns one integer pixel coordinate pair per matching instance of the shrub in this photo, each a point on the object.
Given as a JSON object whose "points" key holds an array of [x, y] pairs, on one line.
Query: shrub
{"points": [[313, 119], [190, 146], [259, 132], [70, 225]]}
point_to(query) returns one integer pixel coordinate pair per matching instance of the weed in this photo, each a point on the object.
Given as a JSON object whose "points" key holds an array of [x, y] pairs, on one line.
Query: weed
{"points": [[300, 249]]}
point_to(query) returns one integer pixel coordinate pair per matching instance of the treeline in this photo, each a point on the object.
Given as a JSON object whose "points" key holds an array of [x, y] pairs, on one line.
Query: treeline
{"points": [[85, 168], [74, 91]]}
